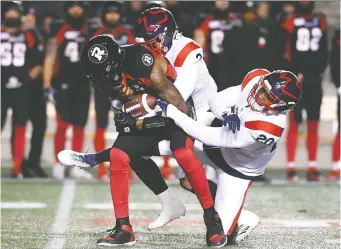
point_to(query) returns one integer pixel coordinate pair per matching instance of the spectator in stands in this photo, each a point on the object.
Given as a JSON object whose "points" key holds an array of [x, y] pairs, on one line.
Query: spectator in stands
{"points": [[307, 55], [335, 73], [134, 9], [214, 36]]}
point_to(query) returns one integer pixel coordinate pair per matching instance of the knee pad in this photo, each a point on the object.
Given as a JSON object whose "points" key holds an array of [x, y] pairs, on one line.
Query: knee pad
{"points": [[184, 156], [119, 161]]}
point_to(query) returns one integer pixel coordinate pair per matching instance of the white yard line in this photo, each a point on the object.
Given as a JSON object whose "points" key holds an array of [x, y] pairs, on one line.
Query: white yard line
{"points": [[56, 238]]}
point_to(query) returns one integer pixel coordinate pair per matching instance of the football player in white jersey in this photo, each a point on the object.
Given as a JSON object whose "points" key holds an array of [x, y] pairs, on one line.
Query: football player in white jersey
{"points": [[261, 102]]}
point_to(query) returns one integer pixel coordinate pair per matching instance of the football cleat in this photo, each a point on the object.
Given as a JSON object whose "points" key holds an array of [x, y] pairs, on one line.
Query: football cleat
{"points": [[247, 222], [292, 176], [215, 236], [58, 171], [118, 236], [314, 176], [334, 175], [173, 210], [73, 158], [17, 174]]}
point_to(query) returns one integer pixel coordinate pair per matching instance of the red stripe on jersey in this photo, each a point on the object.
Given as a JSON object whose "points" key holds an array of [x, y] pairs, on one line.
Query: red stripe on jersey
{"points": [[288, 24], [265, 126], [30, 39], [204, 25], [180, 59], [252, 74], [60, 35]]}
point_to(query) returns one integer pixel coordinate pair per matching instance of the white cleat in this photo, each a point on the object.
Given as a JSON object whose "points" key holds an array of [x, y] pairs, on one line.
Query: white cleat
{"points": [[58, 171], [78, 173], [247, 222], [173, 210], [73, 158]]}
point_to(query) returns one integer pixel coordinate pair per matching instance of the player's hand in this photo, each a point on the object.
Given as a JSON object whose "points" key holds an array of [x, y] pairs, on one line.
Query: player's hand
{"points": [[232, 121], [49, 94], [161, 107], [125, 94]]}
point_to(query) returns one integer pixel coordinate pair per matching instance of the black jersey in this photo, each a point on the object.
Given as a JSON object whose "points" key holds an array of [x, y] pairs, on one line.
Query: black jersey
{"points": [[306, 42], [19, 53], [71, 42]]}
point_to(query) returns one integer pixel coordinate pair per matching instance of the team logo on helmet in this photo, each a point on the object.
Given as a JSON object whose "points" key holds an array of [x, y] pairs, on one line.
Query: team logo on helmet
{"points": [[147, 60], [98, 53]]}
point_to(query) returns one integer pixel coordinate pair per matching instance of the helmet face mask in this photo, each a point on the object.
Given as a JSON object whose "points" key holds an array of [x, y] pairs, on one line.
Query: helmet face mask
{"points": [[156, 28], [272, 98]]}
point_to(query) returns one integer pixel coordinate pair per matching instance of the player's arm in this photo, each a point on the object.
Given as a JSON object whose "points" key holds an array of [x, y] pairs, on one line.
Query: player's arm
{"points": [[213, 136], [164, 88], [222, 101], [35, 53], [50, 58], [335, 59]]}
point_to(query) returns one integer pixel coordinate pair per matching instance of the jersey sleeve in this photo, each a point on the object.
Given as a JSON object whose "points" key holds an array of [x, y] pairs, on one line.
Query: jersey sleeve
{"points": [[222, 101], [35, 53], [213, 136], [263, 131]]}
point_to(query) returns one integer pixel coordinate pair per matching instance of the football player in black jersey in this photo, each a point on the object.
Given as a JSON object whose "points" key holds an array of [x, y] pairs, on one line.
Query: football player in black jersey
{"points": [[114, 69], [110, 19], [70, 89], [21, 55], [307, 55]]}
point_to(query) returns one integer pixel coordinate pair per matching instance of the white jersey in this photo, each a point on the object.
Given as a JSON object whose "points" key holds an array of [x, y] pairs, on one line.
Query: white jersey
{"points": [[193, 78], [250, 149]]}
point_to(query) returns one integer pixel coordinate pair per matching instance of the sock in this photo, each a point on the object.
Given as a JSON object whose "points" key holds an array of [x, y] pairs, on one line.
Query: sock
{"points": [[148, 171], [77, 138], [119, 182], [209, 211], [336, 148], [60, 136], [291, 166], [103, 156], [19, 146], [312, 165], [99, 143], [291, 142], [195, 174], [312, 143], [336, 166], [122, 221], [165, 162]]}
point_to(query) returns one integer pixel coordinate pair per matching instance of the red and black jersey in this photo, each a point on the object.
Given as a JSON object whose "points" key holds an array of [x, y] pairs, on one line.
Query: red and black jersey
{"points": [[216, 31], [71, 42], [121, 35], [138, 64], [19, 53], [306, 42]]}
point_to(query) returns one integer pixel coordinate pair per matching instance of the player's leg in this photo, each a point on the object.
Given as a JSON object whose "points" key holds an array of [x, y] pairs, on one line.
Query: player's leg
{"points": [[335, 171], [20, 117], [229, 202], [63, 103], [37, 115], [295, 118], [182, 147], [5, 103], [125, 148], [166, 170], [79, 109], [102, 107], [314, 97]]}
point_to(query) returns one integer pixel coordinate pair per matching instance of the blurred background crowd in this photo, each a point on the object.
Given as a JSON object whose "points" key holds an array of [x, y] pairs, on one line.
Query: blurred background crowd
{"points": [[236, 36]]}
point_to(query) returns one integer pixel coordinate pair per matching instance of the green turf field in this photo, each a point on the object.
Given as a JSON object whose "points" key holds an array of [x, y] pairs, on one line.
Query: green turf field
{"points": [[76, 214]]}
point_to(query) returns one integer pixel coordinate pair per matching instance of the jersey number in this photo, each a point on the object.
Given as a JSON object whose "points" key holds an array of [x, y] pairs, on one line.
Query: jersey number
{"points": [[13, 54], [308, 40], [263, 139], [217, 38], [71, 51]]}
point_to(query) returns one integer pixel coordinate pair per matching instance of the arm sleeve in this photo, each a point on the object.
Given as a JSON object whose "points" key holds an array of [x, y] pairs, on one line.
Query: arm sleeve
{"points": [[187, 78], [213, 136], [223, 100]]}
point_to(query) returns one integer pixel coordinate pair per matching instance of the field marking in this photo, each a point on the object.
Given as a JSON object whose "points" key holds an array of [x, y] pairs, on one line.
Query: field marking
{"points": [[22, 205], [56, 238]]}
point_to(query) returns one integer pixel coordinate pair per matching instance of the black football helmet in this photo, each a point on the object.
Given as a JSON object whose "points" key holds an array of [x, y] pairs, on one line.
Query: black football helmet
{"points": [[157, 28], [11, 22], [114, 6], [102, 63], [275, 93]]}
